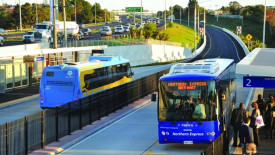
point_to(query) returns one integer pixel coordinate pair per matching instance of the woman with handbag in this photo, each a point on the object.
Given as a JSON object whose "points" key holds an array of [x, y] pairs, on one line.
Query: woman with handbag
{"points": [[253, 124]]}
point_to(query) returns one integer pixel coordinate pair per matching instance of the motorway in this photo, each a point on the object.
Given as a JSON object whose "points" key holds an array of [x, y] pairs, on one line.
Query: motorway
{"points": [[93, 36]]}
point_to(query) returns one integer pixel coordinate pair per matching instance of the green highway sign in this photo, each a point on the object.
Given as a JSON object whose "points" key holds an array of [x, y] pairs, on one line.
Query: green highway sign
{"points": [[134, 9]]}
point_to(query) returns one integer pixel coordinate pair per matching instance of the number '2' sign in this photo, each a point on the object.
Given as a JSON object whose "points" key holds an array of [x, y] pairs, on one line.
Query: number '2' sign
{"points": [[256, 81]]}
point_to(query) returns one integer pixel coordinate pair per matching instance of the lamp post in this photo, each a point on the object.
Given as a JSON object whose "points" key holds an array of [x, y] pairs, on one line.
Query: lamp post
{"points": [[95, 13], [264, 23], [195, 28], [180, 14], [64, 19], [165, 16], [75, 11], [141, 11], [20, 18], [188, 16], [54, 26]]}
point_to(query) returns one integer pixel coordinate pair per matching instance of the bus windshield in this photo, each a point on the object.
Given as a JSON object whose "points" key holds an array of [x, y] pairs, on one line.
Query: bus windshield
{"points": [[188, 100]]}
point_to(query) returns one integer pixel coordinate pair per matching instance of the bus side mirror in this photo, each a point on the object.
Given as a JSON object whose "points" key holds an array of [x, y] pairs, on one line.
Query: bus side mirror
{"points": [[132, 73]]}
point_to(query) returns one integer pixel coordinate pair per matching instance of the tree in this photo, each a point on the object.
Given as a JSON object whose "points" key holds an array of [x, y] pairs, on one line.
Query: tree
{"points": [[191, 6], [148, 30], [234, 7], [177, 11]]}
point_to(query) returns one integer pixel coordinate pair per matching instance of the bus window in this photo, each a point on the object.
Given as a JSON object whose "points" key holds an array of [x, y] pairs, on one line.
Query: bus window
{"points": [[180, 100], [49, 73]]}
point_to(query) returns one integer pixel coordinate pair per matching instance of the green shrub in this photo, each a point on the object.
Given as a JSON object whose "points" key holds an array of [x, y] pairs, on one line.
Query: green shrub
{"points": [[156, 33], [163, 36], [148, 30], [133, 32], [170, 24], [139, 33]]}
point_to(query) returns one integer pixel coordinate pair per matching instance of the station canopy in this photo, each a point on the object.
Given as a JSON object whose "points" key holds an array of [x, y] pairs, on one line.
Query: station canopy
{"points": [[259, 62]]}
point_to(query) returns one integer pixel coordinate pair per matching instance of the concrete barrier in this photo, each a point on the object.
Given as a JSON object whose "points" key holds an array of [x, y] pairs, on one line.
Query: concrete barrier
{"points": [[147, 54], [200, 49]]}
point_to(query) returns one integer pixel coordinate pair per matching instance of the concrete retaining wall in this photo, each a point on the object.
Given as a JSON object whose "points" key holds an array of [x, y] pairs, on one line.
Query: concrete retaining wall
{"points": [[147, 54]]}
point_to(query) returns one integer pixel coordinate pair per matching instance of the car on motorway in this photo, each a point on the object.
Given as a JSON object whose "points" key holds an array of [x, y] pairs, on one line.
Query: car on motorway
{"points": [[119, 30], [107, 22], [81, 35], [81, 26], [133, 25], [139, 26], [3, 32], [126, 28], [87, 31], [28, 37], [121, 26], [1, 41], [105, 31]]}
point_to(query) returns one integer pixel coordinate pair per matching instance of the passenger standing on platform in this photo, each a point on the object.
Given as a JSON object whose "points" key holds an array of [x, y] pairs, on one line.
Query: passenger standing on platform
{"points": [[246, 138], [269, 117], [237, 118], [262, 105], [253, 123]]}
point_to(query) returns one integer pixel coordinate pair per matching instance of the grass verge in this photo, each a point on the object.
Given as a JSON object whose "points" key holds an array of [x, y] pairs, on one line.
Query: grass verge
{"points": [[181, 34]]}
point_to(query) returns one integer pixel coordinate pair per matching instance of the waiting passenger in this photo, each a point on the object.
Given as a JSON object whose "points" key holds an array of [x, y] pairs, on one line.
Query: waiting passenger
{"points": [[199, 112]]}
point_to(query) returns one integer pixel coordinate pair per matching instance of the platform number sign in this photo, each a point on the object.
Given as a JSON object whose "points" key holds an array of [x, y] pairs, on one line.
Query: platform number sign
{"points": [[261, 82], [239, 30]]}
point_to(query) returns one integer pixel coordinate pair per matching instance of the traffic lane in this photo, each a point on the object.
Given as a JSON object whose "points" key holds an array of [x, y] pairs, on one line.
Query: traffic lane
{"points": [[230, 49], [20, 110], [133, 134], [221, 46]]}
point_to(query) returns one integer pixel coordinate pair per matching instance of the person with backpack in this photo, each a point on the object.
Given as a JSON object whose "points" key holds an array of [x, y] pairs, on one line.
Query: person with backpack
{"points": [[237, 118]]}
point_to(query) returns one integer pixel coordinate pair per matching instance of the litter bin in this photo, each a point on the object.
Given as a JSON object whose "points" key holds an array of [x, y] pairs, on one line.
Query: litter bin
{"points": [[154, 97]]}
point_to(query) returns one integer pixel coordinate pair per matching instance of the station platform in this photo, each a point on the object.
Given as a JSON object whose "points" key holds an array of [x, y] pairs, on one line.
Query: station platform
{"points": [[19, 94], [258, 63]]}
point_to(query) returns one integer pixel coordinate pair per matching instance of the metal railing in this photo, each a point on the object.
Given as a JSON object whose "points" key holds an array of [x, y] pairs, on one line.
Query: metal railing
{"points": [[34, 132], [219, 146], [117, 41]]}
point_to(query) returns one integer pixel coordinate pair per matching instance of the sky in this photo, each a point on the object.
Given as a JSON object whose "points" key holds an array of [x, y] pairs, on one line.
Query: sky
{"points": [[157, 5]]}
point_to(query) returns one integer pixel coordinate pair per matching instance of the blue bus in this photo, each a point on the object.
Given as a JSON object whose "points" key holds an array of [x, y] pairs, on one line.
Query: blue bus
{"points": [[195, 101], [72, 81]]}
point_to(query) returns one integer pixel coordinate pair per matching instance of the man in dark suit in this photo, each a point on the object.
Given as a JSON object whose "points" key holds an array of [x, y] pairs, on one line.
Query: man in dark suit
{"points": [[246, 137], [237, 118]]}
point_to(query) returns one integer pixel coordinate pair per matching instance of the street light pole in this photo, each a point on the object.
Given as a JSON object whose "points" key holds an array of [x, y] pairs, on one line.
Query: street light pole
{"points": [[180, 14], [264, 23], [141, 11], [171, 12], [188, 16], [54, 26], [195, 36], [75, 11], [64, 19], [198, 19], [165, 16], [36, 12], [20, 18], [95, 13], [105, 15], [204, 21]]}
